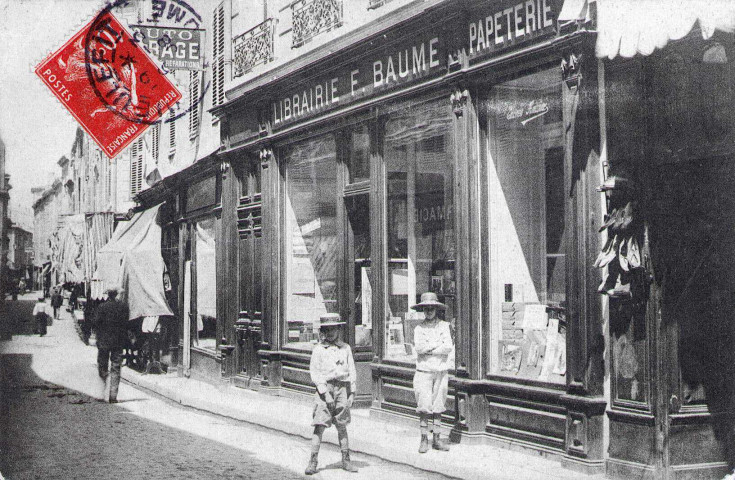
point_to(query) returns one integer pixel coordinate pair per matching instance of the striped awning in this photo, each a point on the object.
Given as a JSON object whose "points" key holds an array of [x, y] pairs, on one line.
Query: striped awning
{"points": [[631, 27]]}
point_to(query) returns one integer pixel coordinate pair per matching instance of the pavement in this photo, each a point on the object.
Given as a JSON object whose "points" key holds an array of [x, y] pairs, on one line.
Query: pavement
{"points": [[395, 442]]}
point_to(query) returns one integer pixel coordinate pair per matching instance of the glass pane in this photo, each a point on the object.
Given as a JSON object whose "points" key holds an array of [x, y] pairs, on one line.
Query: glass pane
{"points": [[527, 228], [311, 237], [358, 211], [421, 241], [358, 161], [206, 284]]}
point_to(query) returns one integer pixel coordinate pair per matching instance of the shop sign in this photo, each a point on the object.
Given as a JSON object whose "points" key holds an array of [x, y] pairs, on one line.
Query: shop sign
{"points": [[201, 194], [504, 26], [176, 48], [397, 66]]}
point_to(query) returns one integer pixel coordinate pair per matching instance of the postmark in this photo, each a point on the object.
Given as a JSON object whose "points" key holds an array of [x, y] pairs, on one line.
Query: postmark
{"points": [[109, 83]]}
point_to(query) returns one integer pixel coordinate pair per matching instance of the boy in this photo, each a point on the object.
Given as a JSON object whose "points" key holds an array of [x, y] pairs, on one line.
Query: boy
{"points": [[433, 344], [332, 370], [41, 316]]}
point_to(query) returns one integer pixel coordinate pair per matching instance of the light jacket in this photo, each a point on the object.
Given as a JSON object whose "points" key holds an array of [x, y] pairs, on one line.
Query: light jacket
{"points": [[432, 335], [332, 361]]}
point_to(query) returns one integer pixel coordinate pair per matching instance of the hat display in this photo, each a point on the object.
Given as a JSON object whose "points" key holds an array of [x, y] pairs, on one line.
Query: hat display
{"points": [[330, 320], [429, 299]]}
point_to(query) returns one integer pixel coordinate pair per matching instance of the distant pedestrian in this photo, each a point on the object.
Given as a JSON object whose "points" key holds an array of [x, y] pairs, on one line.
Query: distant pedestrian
{"points": [[433, 344], [41, 315], [332, 370], [111, 324], [56, 301]]}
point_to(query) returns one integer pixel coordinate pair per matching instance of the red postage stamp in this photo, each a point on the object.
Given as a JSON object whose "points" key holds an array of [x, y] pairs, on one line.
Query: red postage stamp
{"points": [[108, 82]]}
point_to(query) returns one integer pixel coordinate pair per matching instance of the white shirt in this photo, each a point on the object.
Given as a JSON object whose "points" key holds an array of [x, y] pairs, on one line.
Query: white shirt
{"points": [[433, 344], [332, 361], [40, 307]]}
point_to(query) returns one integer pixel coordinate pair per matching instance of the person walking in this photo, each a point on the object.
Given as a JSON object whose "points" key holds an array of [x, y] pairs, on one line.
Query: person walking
{"points": [[111, 324], [332, 370], [41, 315], [433, 344], [56, 301]]}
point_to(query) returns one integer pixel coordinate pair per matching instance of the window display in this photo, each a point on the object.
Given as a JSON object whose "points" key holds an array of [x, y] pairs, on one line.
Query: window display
{"points": [[527, 228], [311, 238], [206, 284], [420, 222]]}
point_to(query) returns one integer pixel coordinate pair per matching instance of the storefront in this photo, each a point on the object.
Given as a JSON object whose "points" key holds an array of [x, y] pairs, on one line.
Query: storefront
{"points": [[449, 153], [482, 151]]}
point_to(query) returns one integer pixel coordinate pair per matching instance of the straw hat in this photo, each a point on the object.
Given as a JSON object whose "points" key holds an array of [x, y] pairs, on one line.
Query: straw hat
{"points": [[330, 320], [429, 299]]}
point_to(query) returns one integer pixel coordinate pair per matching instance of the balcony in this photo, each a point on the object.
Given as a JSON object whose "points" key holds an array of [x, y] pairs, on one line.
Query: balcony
{"points": [[377, 3], [312, 17], [252, 48]]}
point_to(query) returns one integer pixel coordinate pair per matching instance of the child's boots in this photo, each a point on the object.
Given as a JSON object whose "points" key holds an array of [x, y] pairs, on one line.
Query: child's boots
{"points": [[439, 444], [347, 463], [311, 468], [424, 445]]}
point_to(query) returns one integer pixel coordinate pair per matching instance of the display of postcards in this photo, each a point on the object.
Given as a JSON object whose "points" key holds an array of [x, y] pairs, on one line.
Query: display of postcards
{"points": [[437, 283], [511, 357]]}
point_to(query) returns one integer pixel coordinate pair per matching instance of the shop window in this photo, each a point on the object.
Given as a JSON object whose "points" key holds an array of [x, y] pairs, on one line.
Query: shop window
{"points": [[311, 238], [358, 159], [527, 228], [206, 284], [420, 209]]}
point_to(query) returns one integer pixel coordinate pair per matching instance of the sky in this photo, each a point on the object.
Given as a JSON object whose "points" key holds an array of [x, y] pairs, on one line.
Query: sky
{"points": [[36, 129]]}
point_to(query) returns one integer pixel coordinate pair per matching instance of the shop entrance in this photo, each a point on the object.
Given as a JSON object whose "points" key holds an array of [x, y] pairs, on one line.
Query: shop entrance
{"points": [[249, 324]]}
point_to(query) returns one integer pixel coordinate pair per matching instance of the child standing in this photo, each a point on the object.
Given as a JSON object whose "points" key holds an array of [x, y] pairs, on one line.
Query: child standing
{"points": [[332, 370], [433, 344]]}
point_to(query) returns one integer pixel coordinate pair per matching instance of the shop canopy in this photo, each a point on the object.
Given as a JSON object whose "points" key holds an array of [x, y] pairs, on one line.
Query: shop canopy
{"points": [[132, 260], [631, 27]]}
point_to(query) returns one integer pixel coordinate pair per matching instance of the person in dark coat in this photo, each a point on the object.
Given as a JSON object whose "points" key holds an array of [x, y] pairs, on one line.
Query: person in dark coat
{"points": [[56, 301], [111, 324]]}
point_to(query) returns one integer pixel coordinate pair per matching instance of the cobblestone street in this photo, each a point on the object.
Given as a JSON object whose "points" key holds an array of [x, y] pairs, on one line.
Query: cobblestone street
{"points": [[55, 425]]}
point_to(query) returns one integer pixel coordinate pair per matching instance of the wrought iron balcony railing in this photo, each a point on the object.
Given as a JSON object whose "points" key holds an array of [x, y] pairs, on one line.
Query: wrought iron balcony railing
{"points": [[377, 3], [252, 48], [312, 17]]}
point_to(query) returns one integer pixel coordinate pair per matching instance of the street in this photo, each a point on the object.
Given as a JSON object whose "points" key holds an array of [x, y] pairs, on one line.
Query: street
{"points": [[54, 424]]}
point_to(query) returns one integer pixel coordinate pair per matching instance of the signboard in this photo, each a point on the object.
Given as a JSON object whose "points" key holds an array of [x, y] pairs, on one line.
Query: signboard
{"points": [[176, 48]]}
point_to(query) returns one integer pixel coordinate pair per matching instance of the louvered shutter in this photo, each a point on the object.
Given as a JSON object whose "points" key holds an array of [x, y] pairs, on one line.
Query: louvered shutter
{"points": [[172, 135], [136, 167], [155, 141], [218, 57], [193, 104]]}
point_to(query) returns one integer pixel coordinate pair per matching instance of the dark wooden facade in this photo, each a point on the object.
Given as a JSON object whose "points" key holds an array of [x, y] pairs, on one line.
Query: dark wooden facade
{"points": [[671, 424]]}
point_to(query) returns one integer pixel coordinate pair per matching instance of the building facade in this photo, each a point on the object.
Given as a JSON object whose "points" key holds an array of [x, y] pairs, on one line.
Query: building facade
{"points": [[545, 181]]}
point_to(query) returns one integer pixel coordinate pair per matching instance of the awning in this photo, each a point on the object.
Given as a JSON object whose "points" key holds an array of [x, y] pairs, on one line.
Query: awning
{"points": [[631, 27], [132, 260]]}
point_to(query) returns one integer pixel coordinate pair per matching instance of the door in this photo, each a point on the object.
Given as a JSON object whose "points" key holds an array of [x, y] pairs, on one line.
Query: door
{"points": [[249, 324]]}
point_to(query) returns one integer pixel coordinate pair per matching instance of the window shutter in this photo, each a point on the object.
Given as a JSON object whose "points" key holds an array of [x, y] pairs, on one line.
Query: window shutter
{"points": [[155, 141], [218, 58], [193, 104], [136, 167], [172, 135]]}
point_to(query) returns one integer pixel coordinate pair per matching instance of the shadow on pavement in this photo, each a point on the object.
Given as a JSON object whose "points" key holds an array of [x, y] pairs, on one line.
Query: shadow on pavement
{"points": [[48, 431]]}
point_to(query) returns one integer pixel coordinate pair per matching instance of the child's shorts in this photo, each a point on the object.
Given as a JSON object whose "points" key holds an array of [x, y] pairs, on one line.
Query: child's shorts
{"points": [[431, 390], [340, 416]]}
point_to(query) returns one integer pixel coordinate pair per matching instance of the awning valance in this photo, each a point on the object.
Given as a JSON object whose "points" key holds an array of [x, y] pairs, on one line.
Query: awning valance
{"points": [[631, 27], [132, 260]]}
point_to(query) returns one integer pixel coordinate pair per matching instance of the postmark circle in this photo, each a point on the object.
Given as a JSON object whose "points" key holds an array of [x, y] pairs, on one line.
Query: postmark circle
{"points": [[122, 76]]}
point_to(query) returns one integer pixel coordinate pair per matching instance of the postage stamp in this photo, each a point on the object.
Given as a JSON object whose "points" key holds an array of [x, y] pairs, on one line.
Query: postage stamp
{"points": [[108, 83]]}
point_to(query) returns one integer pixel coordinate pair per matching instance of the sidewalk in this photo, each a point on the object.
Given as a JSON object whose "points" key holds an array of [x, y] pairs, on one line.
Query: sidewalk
{"points": [[394, 442]]}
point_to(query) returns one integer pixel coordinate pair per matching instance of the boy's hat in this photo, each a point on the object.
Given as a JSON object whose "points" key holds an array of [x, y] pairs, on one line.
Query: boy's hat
{"points": [[330, 320], [428, 299]]}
